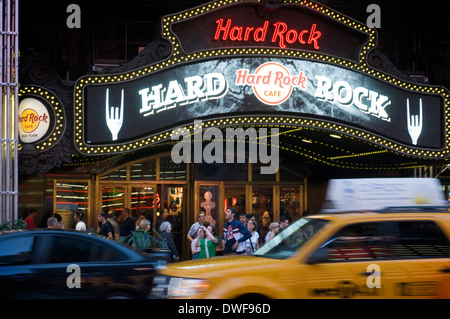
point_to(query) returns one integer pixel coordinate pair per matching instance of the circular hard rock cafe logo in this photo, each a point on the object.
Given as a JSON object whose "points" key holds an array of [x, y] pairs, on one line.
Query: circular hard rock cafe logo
{"points": [[272, 82], [34, 120]]}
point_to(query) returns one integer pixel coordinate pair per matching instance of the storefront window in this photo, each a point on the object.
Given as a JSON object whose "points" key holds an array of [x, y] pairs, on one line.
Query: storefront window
{"points": [[235, 172], [208, 172], [290, 202], [174, 198], [262, 204], [289, 176], [262, 199], [235, 197], [113, 197], [71, 197], [170, 170], [142, 201], [119, 174], [221, 172], [143, 171], [258, 177]]}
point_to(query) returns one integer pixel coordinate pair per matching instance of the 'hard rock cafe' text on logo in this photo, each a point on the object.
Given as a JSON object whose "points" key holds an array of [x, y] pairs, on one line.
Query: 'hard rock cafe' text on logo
{"points": [[34, 120], [272, 83]]}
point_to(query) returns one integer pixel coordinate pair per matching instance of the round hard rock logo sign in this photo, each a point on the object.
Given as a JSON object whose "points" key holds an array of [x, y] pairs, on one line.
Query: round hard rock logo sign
{"points": [[34, 120], [272, 83]]}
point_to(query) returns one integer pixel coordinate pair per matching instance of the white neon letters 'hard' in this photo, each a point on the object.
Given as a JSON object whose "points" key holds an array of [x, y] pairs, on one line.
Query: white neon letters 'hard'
{"points": [[195, 88]]}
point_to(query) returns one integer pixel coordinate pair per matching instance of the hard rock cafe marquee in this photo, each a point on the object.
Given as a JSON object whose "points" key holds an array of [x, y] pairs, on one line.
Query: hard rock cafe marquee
{"points": [[237, 63], [301, 67]]}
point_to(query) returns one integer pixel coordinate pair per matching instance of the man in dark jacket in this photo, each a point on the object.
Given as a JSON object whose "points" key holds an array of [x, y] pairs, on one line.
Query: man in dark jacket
{"points": [[128, 224], [234, 234]]}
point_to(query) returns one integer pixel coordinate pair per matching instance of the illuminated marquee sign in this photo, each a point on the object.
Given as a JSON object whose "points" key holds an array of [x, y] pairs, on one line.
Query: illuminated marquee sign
{"points": [[272, 83], [281, 35], [247, 24], [239, 85], [41, 119], [249, 68], [197, 88]]}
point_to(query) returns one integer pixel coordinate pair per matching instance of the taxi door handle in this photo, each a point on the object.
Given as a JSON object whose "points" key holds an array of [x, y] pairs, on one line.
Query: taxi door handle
{"points": [[445, 270]]}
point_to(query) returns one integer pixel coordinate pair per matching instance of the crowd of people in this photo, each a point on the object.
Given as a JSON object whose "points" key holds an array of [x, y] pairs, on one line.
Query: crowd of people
{"points": [[54, 221], [240, 237], [241, 234], [119, 225]]}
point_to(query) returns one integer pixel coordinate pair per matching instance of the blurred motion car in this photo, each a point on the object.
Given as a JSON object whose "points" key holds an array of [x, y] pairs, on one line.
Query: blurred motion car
{"points": [[44, 263], [381, 252]]}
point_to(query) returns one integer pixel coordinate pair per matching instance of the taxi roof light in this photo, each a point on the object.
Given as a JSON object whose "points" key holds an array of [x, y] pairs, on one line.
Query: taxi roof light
{"points": [[381, 194]]}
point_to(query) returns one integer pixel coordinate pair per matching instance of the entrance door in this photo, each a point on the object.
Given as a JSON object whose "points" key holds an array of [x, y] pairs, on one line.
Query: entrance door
{"points": [[113, 197], [71, 196], [172, 199], [207, 200], [144, 198]]}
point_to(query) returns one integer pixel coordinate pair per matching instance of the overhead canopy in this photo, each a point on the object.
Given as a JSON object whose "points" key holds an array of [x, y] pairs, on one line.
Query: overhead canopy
{"points": [[300, 67]]}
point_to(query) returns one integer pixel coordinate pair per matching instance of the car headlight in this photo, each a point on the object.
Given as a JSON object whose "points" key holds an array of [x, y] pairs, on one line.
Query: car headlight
{"points": [[173, 287]]}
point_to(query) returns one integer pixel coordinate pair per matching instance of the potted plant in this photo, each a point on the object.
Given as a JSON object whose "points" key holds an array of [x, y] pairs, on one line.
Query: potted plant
{"points": [[142, 240], [18, 224]]}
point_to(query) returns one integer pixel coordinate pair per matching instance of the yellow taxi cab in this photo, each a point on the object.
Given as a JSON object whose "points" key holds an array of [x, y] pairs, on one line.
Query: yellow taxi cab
{"points": [[400, 251]]}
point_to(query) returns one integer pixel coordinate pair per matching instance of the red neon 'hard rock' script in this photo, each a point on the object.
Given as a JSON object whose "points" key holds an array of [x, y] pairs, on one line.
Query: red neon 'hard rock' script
{"points": [[281, 35]]}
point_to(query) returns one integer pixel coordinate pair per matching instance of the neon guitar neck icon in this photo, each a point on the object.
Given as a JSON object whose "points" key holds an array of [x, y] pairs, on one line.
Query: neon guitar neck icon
{"points": [[114, 116], [414, 123]]}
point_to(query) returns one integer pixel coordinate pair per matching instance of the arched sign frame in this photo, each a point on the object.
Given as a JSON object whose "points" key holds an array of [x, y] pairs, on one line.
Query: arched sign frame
{"points": [[56, 111], [180, 58]]}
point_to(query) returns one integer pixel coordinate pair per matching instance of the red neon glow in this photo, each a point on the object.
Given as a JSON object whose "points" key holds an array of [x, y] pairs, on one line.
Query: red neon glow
{"points": [[281, 35], [74, 203], [227, 202]]}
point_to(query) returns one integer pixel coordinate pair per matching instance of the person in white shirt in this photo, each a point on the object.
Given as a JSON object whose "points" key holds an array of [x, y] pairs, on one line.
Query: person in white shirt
{"points": [[193, 232], [273, 230], [252, 244], [81, 225]]}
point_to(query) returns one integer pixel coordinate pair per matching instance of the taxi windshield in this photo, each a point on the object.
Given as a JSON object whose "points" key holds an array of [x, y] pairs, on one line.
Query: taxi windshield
{"points": [[287, 242]]}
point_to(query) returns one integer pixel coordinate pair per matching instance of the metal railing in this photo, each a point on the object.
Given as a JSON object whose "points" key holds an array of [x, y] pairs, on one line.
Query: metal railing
{"points": [[9, 87]]}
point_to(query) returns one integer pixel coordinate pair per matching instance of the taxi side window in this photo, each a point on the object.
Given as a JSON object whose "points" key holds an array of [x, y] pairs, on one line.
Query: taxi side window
{"points": [[357, 242], [419, 239], [387, 240]]}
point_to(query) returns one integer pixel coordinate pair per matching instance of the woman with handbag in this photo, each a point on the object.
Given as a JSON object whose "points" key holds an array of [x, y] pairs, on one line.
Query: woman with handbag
{"points": [[252, 244]]}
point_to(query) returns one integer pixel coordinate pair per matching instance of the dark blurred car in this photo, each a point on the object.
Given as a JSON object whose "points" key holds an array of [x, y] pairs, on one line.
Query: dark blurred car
{"points": [[35, 264]]}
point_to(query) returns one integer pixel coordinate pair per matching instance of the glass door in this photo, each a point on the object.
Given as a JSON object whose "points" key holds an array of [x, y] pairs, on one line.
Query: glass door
{"points": [[262, 200], [208, 202], [143, 201], [172, 199], [71, 196], [235, 197], [291, 202], [113, 197]]}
